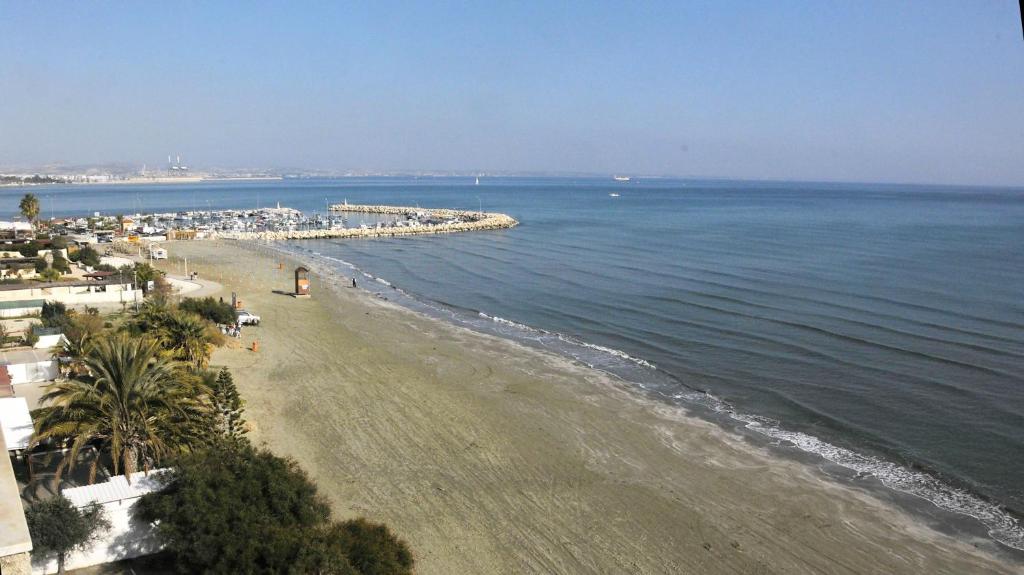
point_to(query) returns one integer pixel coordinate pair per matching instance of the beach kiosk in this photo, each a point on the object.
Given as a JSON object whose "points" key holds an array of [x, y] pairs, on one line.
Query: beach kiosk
{"points": [[301, 282]]}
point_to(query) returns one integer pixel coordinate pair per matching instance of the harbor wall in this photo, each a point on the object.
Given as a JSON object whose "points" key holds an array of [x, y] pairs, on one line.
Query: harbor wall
{"points": [[469, 221]]}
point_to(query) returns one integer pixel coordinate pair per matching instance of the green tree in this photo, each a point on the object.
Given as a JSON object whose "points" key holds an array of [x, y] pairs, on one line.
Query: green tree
{"points": [[87, 256], [29, 207], [50, 275], [144, 273], [58, 528], [31, 337], [210, 309], [29, 249], [135, 404], [233, 509], [55, 314], [186, 335], [59, 263], [227, 405]]}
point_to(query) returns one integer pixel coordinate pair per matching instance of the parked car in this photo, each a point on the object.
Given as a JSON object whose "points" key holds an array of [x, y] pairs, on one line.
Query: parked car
{"points": [[246, 318]]}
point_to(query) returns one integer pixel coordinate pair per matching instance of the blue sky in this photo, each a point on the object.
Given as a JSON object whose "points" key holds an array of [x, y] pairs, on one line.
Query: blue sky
{"points": [[859, 91]]}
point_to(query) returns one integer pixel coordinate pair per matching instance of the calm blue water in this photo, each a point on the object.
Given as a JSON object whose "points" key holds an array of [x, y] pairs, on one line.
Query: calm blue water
{"points": [[881, 327]]}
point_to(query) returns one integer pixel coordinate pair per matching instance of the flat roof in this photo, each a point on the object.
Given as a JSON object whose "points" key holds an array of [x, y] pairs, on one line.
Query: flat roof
{"points": [[14, 537], [117, 488], [15, 422], [27, 355], [22, 303]]}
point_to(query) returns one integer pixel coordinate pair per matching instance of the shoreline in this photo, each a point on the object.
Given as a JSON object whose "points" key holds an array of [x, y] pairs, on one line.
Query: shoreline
{"points": [[633, 462], [946, 504]]}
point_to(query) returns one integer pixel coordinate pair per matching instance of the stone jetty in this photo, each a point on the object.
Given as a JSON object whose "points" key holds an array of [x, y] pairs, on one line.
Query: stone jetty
{"points": [[448, 221]]}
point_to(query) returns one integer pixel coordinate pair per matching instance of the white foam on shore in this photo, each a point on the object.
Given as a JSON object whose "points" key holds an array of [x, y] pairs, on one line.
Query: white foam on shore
{"points": [[1000, 525]]}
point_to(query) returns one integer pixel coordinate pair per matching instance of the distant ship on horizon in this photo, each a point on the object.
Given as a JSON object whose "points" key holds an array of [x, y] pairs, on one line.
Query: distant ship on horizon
{"points": [[621, 178]]}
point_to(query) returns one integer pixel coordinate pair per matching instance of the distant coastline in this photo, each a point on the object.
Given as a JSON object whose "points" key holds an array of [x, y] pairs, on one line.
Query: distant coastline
{"points": [[144, 180]]}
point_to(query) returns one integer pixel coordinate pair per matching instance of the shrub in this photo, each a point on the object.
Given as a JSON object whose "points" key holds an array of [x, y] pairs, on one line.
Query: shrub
{"points": [[54, 314], [50, 275], [59, 263], [86, 256], [210, 309], [40, 265], [31, 337], [29, 249]]}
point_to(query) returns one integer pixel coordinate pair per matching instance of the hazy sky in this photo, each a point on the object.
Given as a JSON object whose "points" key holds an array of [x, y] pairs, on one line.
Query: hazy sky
{"points": [[924, 91]]}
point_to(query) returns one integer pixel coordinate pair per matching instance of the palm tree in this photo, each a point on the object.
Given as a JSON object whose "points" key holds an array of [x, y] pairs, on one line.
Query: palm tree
{"points": [[135, 404], [29, 207], [186, 335]]}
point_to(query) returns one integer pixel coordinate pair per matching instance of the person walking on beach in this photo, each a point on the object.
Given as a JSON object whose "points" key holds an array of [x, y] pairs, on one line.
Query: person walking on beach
{"points": [[353, 282]]}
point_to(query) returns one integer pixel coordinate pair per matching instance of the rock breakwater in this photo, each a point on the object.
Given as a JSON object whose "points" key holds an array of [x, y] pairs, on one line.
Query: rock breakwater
{"points": [[420, 221]]}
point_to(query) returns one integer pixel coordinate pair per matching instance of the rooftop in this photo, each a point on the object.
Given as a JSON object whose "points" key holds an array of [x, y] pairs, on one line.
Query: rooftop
{"points": [[15, 422], [24, 355], [116, 488], [22, 303], [14, 537]]}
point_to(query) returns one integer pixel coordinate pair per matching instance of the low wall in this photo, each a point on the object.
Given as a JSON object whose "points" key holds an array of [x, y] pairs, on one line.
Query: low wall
{"points": [[126, 296], [20, 312], [73, 294]]}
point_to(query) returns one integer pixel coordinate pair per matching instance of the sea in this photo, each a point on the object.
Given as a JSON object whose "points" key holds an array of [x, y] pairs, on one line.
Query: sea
{"points": [[875, 329]]}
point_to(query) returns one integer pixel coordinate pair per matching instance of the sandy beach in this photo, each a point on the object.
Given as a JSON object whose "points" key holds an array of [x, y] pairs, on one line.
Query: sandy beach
{"points": [[490, 457]]}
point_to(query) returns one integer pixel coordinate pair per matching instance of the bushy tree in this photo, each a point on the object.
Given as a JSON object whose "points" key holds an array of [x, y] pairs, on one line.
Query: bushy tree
{"points": [[57, 528], [50, 275], [29, 249], [233, 509], [144, 273], [209, 308], [55, 314], [59, 263], [86, 256]]}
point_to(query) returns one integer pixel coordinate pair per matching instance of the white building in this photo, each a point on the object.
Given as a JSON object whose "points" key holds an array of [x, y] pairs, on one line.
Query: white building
{"points": [[127, 537], [15, 423], [29, 365]]}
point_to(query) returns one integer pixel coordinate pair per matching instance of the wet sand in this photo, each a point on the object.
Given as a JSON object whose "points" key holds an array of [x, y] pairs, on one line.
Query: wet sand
{"points": [[489, 457]]}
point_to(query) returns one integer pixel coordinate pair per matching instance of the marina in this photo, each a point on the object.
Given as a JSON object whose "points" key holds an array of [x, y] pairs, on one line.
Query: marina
{"points": [[282, 223]]}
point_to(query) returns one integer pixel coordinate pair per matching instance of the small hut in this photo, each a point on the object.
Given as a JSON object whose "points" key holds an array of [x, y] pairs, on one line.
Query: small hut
{"points": [[301, 282]]}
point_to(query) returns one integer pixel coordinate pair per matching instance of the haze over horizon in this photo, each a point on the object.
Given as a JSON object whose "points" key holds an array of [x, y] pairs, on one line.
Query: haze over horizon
{"points": [[868, 92]]}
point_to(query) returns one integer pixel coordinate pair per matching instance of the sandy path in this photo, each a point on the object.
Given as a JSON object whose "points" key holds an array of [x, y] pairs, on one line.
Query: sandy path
{"points": [[488, 457]]}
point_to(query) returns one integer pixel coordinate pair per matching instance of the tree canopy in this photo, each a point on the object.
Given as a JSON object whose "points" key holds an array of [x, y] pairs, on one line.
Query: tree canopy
{"points": [[233, 509], [87, 256], [133, 403], [29, 206], [58, 528], [210, 309]]}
